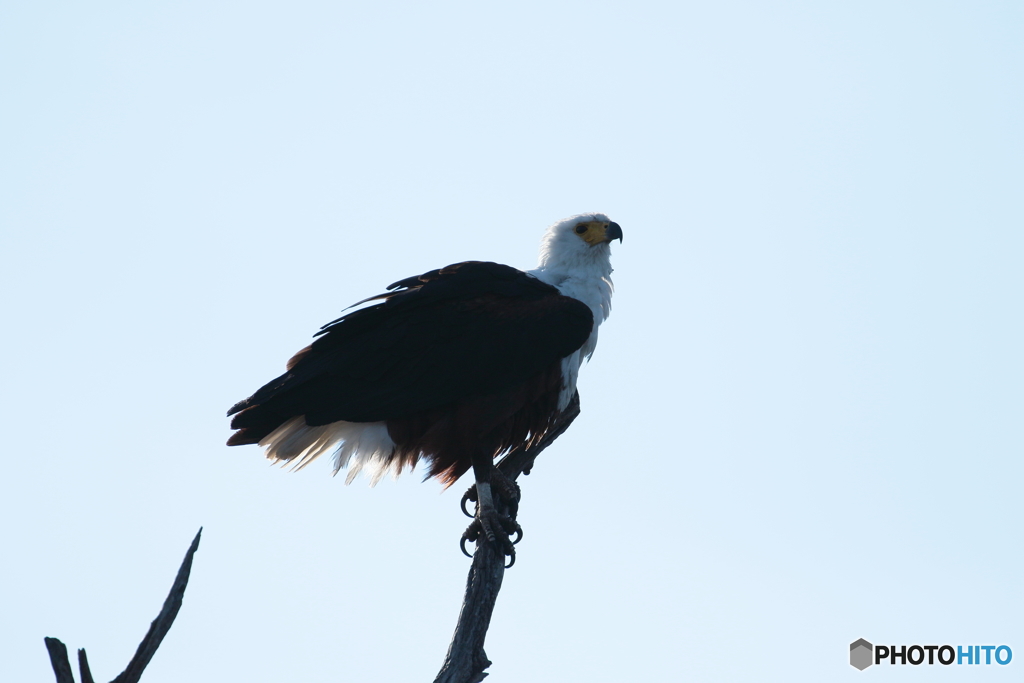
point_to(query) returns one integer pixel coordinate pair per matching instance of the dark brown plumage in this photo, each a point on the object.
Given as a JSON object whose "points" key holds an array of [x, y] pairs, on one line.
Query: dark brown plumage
{"points": [[460, 364]]}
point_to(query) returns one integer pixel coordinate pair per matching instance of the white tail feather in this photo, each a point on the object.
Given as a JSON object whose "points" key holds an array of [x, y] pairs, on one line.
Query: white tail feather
{"points": [[357, 445]]}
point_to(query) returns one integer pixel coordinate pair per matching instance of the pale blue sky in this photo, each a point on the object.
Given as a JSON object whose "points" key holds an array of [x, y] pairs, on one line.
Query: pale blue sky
{"points": [[802, 425]]}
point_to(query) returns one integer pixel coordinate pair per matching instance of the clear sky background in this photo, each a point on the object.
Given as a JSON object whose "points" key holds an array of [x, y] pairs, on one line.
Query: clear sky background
{"points": [[802, 425]]}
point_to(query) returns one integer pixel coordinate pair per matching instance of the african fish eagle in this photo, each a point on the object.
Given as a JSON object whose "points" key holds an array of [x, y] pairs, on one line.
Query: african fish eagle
{"points": [[455, 367]]}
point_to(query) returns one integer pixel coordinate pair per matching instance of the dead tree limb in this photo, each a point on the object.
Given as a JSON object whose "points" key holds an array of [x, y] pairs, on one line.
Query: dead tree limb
{"points": [[466, 660], [59, 660], [83, 666], [147, 648]]}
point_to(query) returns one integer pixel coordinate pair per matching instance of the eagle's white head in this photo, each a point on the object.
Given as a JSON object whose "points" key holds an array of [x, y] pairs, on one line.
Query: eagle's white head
{"points": [[575, 257], [579, 242]]}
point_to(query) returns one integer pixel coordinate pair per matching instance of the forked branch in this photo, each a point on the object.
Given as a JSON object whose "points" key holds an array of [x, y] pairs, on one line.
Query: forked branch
{"points": [[147, 648]]}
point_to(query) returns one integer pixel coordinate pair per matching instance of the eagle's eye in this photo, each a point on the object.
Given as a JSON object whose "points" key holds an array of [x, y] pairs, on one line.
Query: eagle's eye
{"points": [[580, 229]]}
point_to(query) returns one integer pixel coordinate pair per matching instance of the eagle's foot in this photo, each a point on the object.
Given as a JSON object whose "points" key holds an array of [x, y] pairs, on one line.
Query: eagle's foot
{"points": [[507, 489], [497, 529], [495, 517]]}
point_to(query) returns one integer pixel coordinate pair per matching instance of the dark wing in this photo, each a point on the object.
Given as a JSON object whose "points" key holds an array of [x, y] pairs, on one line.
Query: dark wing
{"points": [[471, 328]]}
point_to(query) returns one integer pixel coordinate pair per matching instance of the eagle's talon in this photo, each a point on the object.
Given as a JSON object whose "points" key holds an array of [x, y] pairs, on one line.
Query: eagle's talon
{"points": [[471, 534], [510, 526], [486, 524], [468, 496]]}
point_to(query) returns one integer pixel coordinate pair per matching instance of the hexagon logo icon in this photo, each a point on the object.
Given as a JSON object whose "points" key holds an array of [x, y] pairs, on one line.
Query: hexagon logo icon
{"points": [[861, 652]]}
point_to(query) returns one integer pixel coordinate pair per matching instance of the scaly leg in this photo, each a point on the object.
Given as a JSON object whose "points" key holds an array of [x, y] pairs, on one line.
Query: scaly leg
{"points": [[497, 503]]}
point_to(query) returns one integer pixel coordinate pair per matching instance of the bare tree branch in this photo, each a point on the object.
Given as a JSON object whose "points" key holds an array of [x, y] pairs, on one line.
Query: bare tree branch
{"points": [[147, 648], [83, 667], [59, 660], [466, 660], [162, 624]]}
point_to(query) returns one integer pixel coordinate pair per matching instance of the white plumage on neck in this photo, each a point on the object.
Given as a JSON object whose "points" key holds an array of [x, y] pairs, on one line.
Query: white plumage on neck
{"points": [[581, 271]]}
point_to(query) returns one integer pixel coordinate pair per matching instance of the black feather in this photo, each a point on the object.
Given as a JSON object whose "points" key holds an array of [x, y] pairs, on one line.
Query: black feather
{"points": [[469, 329]]}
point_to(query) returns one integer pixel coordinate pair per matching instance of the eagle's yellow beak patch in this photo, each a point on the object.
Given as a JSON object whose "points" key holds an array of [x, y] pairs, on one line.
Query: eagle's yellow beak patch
{"points": [[598, 232]]}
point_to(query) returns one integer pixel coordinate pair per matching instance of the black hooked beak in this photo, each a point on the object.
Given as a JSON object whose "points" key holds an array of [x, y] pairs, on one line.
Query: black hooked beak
{"points": [[614, 232]]}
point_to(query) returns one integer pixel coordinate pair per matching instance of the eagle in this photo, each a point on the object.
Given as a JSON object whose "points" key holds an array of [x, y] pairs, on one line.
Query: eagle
{"points": [[452, 367]]}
